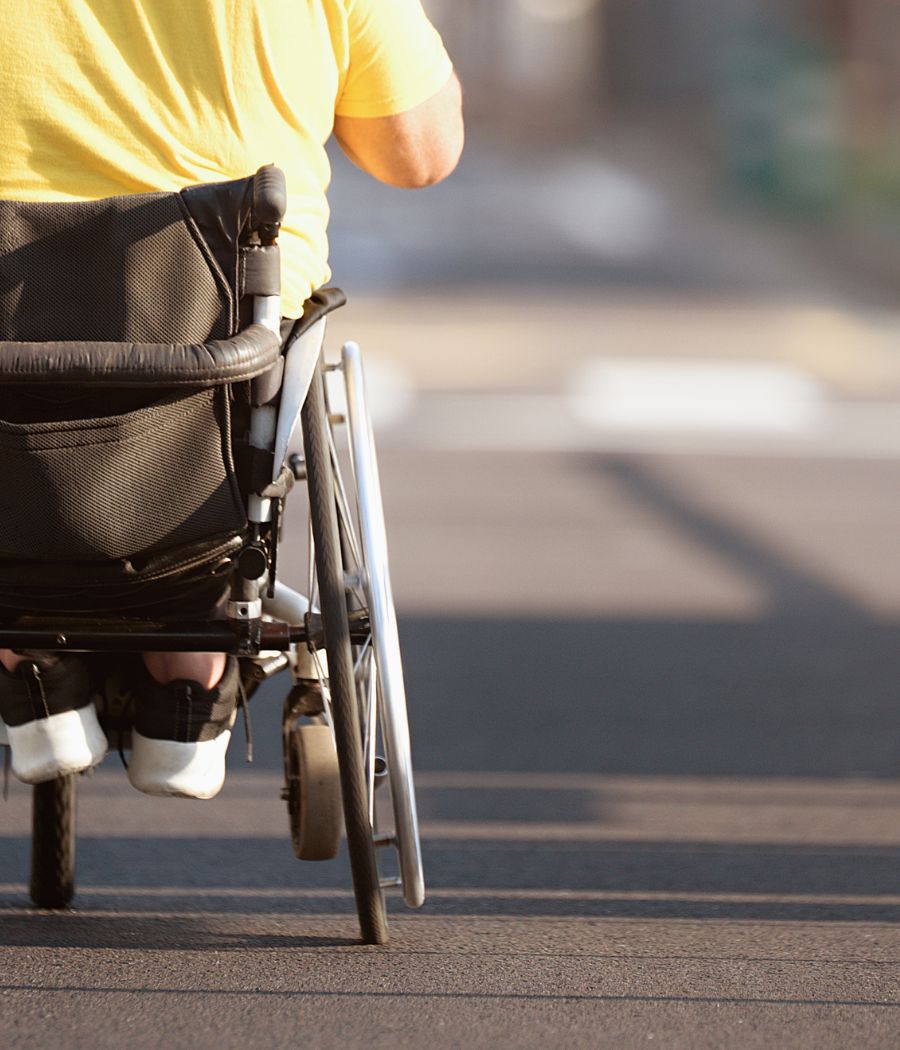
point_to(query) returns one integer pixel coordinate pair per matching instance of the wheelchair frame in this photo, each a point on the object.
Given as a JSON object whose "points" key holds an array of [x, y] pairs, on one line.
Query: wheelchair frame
{"points": [[340, 643]]}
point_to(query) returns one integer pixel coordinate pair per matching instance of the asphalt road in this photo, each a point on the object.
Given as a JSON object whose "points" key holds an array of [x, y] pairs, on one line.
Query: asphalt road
{"points": [[653, 675], [668, 815]]}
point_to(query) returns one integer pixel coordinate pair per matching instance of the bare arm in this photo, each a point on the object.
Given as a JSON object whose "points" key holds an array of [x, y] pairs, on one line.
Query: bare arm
{"points": [[412, 149]]}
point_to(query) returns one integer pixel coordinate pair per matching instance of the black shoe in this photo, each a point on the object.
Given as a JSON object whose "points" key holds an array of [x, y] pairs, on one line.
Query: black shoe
{"points": [[51, 722], [181, 734]]}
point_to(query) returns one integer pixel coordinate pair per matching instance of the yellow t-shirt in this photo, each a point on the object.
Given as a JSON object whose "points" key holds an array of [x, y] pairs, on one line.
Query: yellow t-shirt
{"points": [[105, 97]]}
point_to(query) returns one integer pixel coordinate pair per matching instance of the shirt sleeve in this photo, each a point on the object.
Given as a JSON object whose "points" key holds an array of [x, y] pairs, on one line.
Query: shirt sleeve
{"points": [[397, 59]]}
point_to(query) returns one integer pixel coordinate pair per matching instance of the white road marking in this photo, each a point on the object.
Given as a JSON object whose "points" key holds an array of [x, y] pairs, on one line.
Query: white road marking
{"points": [[653, 406], [546, 423], [696, 396]]}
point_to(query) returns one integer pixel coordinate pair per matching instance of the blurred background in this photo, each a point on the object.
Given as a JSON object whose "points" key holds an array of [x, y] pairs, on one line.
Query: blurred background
{"points": [[636, 368], [607, 136]]}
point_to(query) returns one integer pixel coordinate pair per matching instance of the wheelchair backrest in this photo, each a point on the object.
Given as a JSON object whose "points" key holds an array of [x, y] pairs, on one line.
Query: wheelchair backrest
{"points": [[129, 338], [151, 267]]}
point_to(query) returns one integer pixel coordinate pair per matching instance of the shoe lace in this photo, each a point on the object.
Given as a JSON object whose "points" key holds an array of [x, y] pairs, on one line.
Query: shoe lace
{"points": [[126, 717], [248, 725], [31, 675]]}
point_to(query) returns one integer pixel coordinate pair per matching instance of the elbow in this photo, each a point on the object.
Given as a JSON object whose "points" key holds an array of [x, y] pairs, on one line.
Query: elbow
{"points": [[443, 170], [429, 167], [410, 150], [422, 179]]}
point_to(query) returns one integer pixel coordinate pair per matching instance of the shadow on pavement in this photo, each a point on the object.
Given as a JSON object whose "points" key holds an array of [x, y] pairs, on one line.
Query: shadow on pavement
{"points": [[175, 933], [807, 690], [527, 878]]}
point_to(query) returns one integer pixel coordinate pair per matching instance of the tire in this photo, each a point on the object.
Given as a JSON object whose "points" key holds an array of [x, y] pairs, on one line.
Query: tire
{"points": [[314, 792], [329, 567], [53, 843]]}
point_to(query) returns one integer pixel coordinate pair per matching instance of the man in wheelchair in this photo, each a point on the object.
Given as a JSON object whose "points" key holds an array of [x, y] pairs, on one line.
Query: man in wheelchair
{"points": [[141, 306]]}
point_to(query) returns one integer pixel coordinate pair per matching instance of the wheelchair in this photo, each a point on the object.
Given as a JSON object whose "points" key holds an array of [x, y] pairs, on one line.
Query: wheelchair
{"points": [[151, 397]]}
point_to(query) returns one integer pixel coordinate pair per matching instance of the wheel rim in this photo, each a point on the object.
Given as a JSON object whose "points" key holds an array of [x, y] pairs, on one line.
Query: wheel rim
{"points": [[377, 663]]}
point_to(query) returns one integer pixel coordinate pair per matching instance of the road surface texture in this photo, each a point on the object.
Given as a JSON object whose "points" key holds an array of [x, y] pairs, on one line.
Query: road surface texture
{"points": [[653, 668]]}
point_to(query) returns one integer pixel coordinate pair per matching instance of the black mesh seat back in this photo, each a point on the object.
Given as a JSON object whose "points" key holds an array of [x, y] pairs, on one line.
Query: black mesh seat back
{"points": [[123, 486], [155, 267], [115, 496]]}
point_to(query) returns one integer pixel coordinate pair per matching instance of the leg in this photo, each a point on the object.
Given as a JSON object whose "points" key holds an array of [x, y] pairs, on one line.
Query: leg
{"points": [[10, 660], [204, 668]]}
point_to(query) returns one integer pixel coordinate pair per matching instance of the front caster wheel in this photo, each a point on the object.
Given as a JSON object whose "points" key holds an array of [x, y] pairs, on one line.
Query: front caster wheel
{"points": [[313, 791]]}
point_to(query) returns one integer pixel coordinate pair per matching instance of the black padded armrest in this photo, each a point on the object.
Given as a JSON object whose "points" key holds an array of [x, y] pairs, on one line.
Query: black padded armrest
{"points": [[322, 301], [219, 361]]}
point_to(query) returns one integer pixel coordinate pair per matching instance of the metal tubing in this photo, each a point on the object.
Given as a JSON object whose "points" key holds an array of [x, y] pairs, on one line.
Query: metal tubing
{"points": [[217, 637], [267, 311]]}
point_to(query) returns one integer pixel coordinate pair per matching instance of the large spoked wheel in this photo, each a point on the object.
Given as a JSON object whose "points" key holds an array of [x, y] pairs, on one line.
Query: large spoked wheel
{"points": [[350, 583], [53, 843], [381, 670], [327, 565]]}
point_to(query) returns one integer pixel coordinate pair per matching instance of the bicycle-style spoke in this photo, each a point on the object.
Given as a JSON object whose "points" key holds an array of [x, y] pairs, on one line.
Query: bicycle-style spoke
{"points": [[380, 706], [344, 512], [371, 688]]}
